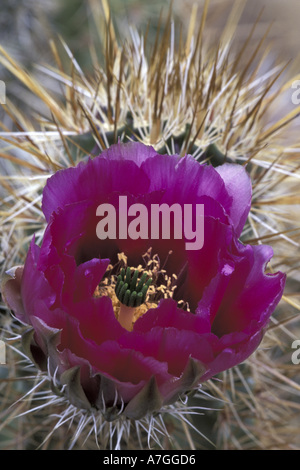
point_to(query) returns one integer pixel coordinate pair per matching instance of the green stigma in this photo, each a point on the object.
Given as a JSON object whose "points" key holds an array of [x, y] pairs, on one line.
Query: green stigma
{"points": [[130, 290]]}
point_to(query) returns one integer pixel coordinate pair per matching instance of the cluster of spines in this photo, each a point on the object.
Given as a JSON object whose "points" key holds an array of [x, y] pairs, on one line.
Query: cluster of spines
{"points": [[130, 290]]}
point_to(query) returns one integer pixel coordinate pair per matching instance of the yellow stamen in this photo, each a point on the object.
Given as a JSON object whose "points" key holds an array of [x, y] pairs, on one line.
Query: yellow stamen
{"points": [[128, 315]]}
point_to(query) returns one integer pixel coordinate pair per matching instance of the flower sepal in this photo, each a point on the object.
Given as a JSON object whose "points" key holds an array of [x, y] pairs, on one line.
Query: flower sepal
{"points": [[10, 288], [147, 401], [189, 380], [32, 350], [73, 391]]}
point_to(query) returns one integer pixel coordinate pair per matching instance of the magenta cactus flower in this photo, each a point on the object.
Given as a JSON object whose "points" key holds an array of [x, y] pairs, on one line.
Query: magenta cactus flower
{"points": [[125, 324]]}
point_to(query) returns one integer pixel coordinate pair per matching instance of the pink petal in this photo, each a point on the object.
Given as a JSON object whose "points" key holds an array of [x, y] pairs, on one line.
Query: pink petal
{"points": [[238, 185]]}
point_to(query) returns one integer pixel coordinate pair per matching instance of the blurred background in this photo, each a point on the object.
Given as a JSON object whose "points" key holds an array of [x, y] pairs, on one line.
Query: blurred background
{"points": [[27, 25]]}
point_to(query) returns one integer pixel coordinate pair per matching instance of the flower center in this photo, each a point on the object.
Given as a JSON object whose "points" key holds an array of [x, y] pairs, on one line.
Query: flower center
{"points": [[134, 291], [131, 294], [129, 291]]}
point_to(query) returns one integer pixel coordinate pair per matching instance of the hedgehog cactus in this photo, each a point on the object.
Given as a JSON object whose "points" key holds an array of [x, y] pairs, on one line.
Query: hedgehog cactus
{"points": [[121, 329]]}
